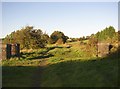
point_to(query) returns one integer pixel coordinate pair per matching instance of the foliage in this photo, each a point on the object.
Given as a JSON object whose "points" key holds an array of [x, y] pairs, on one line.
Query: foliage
{"points": [[57, 35], [106, 34], [76, 66], [28, 37], [45, 37], [92, 41], [83, 38], [60, 41], [67, 67]]}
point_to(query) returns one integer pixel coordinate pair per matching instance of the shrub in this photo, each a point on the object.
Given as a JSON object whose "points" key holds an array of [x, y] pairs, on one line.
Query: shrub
{"points": [[28, 38], [60, 41], [57, 35]]}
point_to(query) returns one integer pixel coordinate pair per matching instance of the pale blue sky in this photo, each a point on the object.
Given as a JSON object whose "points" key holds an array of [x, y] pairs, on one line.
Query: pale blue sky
{"points": [[75, 19]]}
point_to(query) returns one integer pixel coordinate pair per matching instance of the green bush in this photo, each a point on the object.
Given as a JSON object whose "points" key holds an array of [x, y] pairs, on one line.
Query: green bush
{"points": [[28, 37], [57, 35]]}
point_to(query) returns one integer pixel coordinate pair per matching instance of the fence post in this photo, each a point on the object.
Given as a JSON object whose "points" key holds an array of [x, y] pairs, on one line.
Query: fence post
{"points": [[8, 51], [17, 48]]}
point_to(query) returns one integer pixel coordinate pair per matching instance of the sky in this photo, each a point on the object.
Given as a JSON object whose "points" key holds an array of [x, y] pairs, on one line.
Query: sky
{"points": [[74, 19]]}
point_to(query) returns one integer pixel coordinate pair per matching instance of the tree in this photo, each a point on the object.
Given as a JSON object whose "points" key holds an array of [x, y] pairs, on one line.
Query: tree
{"points": [[92, 41], [45, 37], [57, 35], [27, 37], [106, 34], [60, 41], [37, 39]]}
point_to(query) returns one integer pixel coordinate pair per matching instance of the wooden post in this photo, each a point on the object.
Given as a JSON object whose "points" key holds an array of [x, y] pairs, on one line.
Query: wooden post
{"points": [[8, 51], [17, 50]]}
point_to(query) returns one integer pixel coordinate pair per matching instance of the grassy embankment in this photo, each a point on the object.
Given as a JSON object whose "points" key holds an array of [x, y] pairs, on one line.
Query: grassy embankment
{"points": [[75, 66]]}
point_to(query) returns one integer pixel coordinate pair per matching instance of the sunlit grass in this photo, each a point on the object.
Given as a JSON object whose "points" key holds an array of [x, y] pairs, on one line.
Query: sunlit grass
{"points": [[65, 67]]}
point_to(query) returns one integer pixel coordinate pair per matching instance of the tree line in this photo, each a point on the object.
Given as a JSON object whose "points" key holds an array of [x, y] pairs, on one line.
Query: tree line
{"points": [[106, 35], [28, 37]]}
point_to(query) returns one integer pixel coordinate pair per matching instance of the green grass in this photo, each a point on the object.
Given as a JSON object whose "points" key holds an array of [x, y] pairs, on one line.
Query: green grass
{"points": [[76, 66], [16, 76], [13, 62], [101, 73]]}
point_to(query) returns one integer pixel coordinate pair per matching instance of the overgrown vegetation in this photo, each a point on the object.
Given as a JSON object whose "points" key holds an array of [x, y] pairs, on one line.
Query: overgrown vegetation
{"points": [[64, 63], [28, 37], [57, 35], [106, 35]]}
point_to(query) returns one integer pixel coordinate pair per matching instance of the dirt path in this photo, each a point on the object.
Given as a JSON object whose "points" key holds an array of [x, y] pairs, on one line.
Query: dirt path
{"points": [[36, 81]]}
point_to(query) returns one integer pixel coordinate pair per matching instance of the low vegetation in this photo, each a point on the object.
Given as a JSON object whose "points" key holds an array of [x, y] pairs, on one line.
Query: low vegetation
{"points": [[65, 67], [70, 64]]}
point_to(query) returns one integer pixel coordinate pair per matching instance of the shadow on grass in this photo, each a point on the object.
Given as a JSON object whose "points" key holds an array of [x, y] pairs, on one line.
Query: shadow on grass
{"points": [[51, 48], [25, 54], [39, 55], [21, 76], [99, 73]]}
